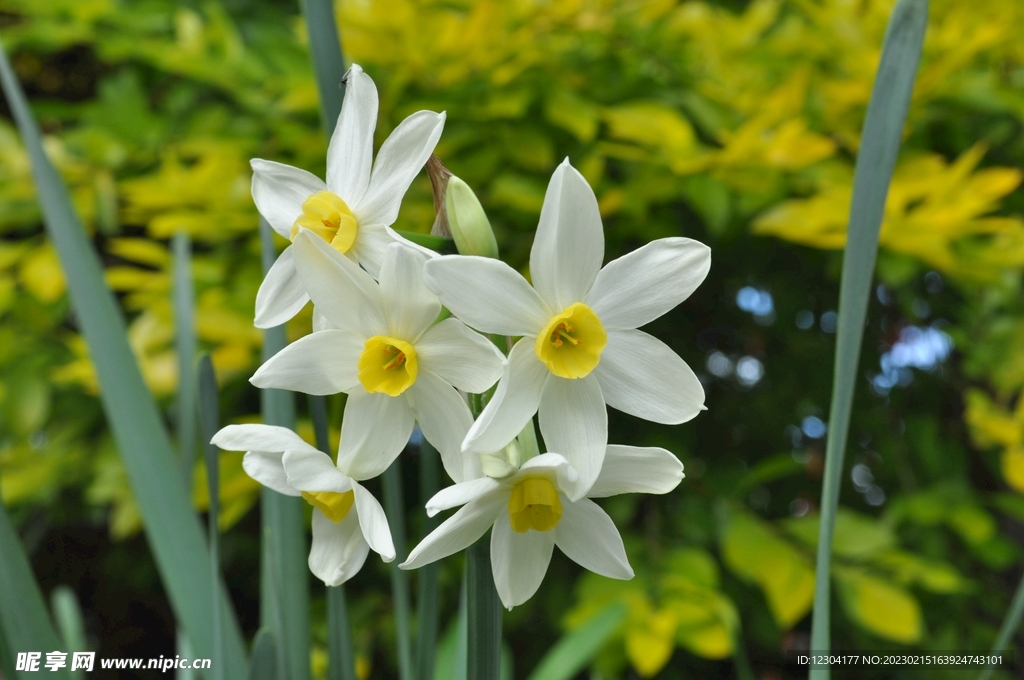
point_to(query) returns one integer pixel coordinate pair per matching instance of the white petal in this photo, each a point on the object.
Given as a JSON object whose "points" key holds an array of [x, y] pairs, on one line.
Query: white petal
{"points": [[279, 191], [569, 246], [338, 550], [514, 402], [458, 531], [409, 305], [314, 471], [326, 362], [460, 494], [258, 438], [350, 152], [444, 418], [372, 241], [460, 356], [374, 523], [559, 471], [632, 469], [374, 431], [422, 250], [399, 160], [518, 561], [281, 295], [574, 423], [487, 294], [321, 322], [641, 286], [267, 469], [343, 292], [587, 535], [640, 375]]}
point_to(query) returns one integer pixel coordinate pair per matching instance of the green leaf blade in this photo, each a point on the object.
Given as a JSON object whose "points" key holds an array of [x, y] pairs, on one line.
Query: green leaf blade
{"points": [[170, 524], [876, 160], [573, 652], [23, 616]]}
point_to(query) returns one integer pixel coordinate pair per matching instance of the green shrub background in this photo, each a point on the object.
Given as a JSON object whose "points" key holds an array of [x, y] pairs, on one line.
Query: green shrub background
{"points": [[735, 123]]}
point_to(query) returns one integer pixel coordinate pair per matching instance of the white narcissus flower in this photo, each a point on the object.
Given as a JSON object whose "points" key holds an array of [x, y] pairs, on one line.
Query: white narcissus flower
{"points": [[533, 511], [580, 348], [385, 351], [347, 520], [351, 210]]}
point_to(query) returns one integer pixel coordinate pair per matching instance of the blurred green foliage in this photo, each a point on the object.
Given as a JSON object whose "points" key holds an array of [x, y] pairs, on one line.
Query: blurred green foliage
{"points": [[732, 122]]}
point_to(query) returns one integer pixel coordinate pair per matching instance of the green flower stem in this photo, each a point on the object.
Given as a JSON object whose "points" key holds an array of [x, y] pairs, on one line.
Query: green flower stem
{"points": [[426, 607], [340, 656], [283, 519], [483, 613], [881, 137], [394, 506], [329, 65], [1010, 626], [483, 607], [739, 657]]}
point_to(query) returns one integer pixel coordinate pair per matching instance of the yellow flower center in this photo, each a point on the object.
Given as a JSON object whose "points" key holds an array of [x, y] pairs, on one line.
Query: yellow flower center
{"points": [[330, 218], [534, 504], [572, 342], [387, 365], [334, 505]]}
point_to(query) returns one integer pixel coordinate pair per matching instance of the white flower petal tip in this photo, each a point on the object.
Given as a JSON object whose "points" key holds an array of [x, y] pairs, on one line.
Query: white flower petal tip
{"points": [[631, 469]]}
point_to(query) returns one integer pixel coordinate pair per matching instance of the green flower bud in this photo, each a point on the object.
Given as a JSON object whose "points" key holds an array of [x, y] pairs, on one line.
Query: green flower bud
{"points": [[467, 221]]}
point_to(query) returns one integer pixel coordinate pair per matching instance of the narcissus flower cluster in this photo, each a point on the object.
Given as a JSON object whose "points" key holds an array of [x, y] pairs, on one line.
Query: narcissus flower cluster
{"points": [[383, 336]]}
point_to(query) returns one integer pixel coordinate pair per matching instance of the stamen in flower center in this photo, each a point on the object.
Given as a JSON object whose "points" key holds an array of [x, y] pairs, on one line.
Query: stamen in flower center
{"points": [[330, 218], [334, 505], [534, 504], [572, 342], [387, 365]]}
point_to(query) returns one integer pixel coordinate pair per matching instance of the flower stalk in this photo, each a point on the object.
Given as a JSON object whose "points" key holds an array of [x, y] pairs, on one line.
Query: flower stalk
{"points": [[395, 509]]}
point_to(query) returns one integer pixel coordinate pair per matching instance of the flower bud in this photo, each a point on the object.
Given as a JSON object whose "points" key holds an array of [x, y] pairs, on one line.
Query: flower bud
{"points": [[506, 462], [467, 221]]}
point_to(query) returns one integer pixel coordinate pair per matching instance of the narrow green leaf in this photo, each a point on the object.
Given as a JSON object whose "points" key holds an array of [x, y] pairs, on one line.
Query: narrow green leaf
{"points": [[394, 506], [880, 143], [1011, 624], [283, 517], [440, 244], [264, 656], [68, 615], [573, 652], [325, 46], [426, 606], [184, 650], [23, 616], [209, 412], [155, 474], [185, 346], [7, 664], [483, 613]]}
